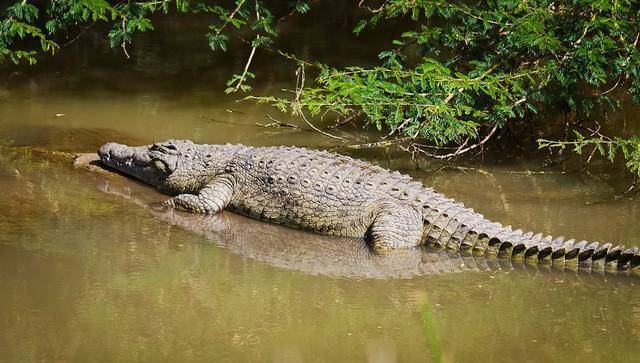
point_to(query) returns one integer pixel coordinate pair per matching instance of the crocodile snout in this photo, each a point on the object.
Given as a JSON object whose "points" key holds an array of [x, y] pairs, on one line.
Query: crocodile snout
{"points": [[113, 153], [132, 160], [110, 151]]}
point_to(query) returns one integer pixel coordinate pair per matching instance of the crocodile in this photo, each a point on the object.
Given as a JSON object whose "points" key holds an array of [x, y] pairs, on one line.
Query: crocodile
{"points": [[323, 255], [338, 195]]}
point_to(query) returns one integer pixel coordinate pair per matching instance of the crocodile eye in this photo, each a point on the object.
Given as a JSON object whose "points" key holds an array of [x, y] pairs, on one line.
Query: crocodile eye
{"points": [[161, 166], [158, 164]]}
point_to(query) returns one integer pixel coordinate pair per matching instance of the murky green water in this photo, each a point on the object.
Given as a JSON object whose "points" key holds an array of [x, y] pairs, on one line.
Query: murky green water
{"points": [[88, 273]]}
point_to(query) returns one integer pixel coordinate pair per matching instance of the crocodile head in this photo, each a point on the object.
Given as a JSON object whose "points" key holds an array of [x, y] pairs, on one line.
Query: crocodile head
{"points": [[174, 166]]}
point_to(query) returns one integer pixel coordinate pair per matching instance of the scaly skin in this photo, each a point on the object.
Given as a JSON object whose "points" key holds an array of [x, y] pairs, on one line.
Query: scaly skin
{"points": [[341, 196]]}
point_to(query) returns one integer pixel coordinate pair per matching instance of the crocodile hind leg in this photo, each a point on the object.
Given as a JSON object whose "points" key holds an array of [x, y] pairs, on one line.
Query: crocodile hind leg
{"points": [[395, 226], [211, 199]]}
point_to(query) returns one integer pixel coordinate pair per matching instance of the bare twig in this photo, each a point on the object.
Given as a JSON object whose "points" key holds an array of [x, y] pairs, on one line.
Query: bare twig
{"points": [[461, 151], [81, 33], [630, 191], [593, 152], [300, 78], [384, 143], [576, 43], [398, 128], [289, 14], [373, 10], [246, 69], [346, 120], [278, 123], [124, 43], [235, 123], [233, 13], [612, 87], [505, 172], [253, 49]]}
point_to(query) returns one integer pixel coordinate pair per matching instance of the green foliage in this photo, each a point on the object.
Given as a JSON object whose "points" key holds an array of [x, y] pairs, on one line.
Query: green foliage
{"points": [[429, 101], [602, 145], [511, 57], [473, 66], [458, 73], [17, 26], [45, 21]]}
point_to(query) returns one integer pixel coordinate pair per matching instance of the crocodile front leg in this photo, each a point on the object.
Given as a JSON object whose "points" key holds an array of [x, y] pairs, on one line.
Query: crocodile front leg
{"points": [[395, 226], [211, 199]]}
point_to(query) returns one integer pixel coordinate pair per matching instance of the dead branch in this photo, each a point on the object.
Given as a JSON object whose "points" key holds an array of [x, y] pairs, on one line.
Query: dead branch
{"points": [[347, 120], [384, 143], [463, 150], [300, 78], [278, 124]]}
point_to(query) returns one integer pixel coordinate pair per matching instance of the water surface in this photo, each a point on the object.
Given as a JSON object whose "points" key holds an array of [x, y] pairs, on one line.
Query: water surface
{"points": [[88, 272]]}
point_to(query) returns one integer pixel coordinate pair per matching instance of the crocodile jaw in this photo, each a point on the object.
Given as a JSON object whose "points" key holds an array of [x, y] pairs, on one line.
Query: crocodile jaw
{"points": [[138, 162]]}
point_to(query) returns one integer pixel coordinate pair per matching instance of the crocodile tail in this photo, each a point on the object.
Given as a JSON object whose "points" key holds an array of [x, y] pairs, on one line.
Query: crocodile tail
{"points": [[504, 242], [452, 226]]}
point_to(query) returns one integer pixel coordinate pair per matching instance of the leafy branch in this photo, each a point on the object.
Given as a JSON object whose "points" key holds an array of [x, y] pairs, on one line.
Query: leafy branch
{"points": [[603, 145], [467, 70], [25, 18], [461, 74]]}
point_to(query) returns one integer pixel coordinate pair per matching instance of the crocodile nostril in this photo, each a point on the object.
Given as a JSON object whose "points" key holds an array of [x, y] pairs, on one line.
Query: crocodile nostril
{"points": [[105, 150]]}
